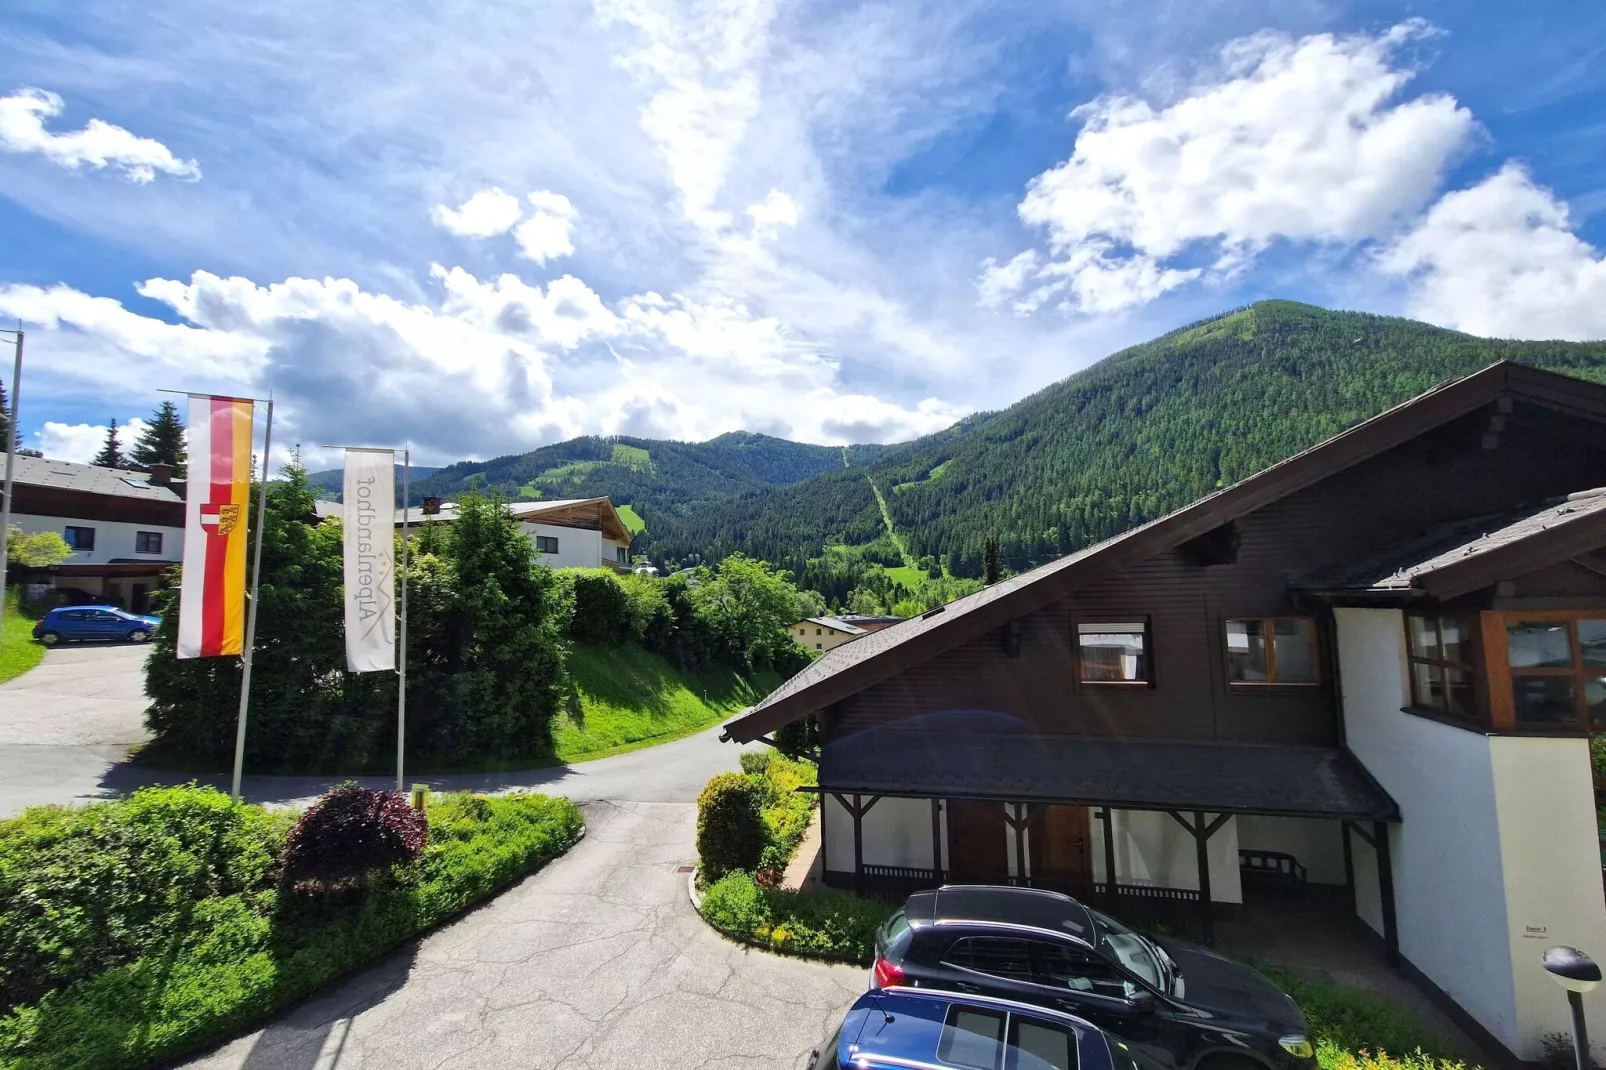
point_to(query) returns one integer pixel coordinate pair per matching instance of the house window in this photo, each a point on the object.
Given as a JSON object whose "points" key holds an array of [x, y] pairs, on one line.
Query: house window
{"points": [[1443, 664], [1114, 653], [816, 631], [1558, 670], [81, 538], [147, 542], [1272, 650], [619, 554], [546, 544], [819, 646]]}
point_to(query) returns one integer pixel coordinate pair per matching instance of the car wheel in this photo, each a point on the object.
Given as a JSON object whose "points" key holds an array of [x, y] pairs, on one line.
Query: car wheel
{"points": [[138, 635], [50, 638]]}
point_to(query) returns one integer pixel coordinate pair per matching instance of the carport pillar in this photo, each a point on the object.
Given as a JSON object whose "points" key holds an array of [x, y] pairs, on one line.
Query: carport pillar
{"points": [[1378, 838], [1109, 853], [1201, 832], [936, 840], [1385, 892], [857, 809]]}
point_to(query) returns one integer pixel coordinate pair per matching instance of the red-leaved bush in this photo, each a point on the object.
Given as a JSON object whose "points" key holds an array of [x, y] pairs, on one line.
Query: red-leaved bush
{"points": [[351, 831]]}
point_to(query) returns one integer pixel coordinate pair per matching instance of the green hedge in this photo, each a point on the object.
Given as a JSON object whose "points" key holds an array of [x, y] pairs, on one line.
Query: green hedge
{"points": [[827, 923], [1358, 1030], [786, 811], [136, 931]]}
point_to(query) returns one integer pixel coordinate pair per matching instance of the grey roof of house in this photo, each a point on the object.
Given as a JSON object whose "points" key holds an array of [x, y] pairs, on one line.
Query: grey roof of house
{"points": [[1404, 565], [838, 624], [416, 514], [90, 479], [938, 760]]}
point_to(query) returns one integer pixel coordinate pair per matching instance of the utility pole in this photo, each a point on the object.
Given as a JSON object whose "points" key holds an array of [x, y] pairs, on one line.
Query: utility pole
{"points": [[13, 436]]}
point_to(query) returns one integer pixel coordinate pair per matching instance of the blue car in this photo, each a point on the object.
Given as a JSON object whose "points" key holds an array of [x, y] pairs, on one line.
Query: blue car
{"points": [[99, 624], [907, 1027]]}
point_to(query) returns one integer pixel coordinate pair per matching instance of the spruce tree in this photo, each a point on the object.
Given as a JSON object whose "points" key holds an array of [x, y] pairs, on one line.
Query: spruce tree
{"points": [[989, 561], [5, 418], [162, 441], [111, 454]]}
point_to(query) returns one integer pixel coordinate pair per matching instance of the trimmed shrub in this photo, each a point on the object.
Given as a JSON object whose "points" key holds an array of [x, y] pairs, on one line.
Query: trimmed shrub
{"points": [[828, 923], [352, 831], [784, 814], [165, 908], [731, 833], [601, 608]]}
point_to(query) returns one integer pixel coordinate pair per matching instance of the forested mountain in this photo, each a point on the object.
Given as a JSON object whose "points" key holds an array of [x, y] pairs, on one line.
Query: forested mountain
{"points": [[328, 484], [1132, 437], [659, 478]]}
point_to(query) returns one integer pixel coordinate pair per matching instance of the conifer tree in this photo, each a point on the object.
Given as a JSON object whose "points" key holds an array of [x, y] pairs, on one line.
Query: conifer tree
{"points": [[5, 418], [162, 441], [111, 454], [989, 561]]}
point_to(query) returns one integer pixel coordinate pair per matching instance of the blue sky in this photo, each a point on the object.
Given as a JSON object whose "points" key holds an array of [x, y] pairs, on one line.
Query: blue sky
{"points": [[480, 228]]}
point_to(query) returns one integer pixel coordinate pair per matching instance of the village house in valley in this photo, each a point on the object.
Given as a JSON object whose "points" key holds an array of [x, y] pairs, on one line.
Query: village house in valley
{"points": [[125, 528], [567, 533], [1367, 673]]}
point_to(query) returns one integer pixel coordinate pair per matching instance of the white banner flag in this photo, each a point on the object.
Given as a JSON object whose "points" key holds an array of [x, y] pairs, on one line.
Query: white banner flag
{"points": [[369, 519]]}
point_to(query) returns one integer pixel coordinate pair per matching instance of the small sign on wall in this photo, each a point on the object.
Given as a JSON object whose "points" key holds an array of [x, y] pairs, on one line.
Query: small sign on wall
{"points": [[1535, 932]]}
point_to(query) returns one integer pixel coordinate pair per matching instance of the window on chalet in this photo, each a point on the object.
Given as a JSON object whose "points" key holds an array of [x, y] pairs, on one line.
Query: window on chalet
{"points": [[1272, 650], [1444, 664], [1558, 669], [1114, 653], [147, 542], [80, 538], [546, 544]]}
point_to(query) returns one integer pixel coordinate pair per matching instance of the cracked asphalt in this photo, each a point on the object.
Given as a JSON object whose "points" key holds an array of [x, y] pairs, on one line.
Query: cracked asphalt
{"points": [[597, 961]]}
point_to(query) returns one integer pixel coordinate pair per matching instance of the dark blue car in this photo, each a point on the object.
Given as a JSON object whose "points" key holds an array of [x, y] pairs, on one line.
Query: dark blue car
{"points": [[101, 624], [905, 1027]]}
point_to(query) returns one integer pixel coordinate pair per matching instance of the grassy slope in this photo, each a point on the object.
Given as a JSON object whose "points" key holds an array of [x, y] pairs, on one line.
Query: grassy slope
{"points": [[633, 522], [629, 699], [18, 651]]}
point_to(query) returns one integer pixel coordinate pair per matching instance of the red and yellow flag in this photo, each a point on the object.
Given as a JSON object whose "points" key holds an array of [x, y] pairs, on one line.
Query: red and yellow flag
{"points": [[211, 610]]}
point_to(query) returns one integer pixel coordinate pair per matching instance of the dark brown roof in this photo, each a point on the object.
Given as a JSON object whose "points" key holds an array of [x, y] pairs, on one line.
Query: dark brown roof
{"points": [[942, 761], [1459, 556], [854, 666]]}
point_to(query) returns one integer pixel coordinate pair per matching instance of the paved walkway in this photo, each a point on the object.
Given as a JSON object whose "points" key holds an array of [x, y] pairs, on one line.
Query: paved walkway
{"points": [[78, 695], [596, 962]]}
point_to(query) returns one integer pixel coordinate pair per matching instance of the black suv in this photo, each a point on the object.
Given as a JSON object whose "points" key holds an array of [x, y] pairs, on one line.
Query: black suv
{"points": [[1185, 1007]]}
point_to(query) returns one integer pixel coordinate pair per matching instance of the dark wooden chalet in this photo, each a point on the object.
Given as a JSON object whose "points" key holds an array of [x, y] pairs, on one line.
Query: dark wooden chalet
{"points": [[1183, 675]]}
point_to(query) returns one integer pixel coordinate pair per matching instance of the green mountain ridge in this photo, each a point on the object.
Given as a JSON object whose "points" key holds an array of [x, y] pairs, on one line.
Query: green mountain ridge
{"points": [[1121, 442]]}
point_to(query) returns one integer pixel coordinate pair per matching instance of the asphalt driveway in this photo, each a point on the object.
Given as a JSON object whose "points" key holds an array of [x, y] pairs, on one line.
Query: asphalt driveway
{"points": [[90, 694], [598, 961]]}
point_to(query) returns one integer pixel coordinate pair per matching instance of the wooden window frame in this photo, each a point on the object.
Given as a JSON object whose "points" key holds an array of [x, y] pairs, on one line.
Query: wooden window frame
{"points": [[1497, 658], [1148, 651], [1269, 624], [1473, 669]]}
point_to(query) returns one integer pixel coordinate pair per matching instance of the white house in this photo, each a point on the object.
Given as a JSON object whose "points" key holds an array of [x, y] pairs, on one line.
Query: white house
{"points": [[125, 528], [567, 533]]}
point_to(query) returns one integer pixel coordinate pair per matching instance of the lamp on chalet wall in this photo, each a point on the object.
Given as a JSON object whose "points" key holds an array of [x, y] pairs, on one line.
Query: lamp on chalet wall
{"points": [[1577, 973]]}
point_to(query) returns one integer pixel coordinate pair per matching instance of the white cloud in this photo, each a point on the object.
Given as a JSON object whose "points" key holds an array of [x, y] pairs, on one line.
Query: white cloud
{"points": [[1299, 140], [702, 57], [82, 442], [486, 214], [775, 211], [548, 233], [98, 145], [1501, 259]]}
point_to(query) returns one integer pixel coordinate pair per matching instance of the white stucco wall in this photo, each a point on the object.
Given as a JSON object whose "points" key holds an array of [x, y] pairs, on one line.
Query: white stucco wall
{"points": [[114, 539], [577, 547], [1151, 848], [1497, 836], [1316, 844], [897, 832], [1544, 794]]}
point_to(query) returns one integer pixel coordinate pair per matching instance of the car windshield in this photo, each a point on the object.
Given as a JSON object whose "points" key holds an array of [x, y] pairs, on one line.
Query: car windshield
{"points": [[1131, 949]]}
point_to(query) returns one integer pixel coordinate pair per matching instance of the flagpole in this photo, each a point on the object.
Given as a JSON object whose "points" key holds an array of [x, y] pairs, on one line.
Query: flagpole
{"points": [[401, 653], [251, 610], [13, 436]]}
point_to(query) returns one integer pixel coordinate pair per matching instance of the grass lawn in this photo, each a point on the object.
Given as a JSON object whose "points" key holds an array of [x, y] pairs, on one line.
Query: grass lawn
{"points": [[18, 651], [633, 522], [629, 698], [910, 577]]}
